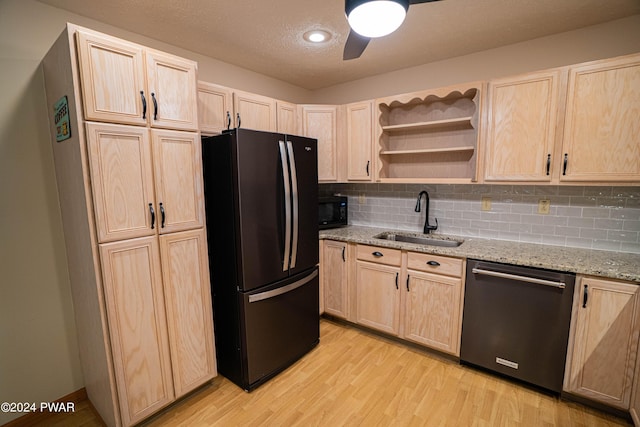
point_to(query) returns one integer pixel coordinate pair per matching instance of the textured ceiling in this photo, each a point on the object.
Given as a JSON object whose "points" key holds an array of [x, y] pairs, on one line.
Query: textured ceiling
{"points": [[266, 36]]}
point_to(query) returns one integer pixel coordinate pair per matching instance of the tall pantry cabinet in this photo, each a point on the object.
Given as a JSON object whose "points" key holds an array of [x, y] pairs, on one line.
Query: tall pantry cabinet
{"points": [[127, 153]]}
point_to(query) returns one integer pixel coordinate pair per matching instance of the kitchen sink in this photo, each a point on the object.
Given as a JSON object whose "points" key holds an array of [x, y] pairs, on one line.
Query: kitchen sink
{"points": [[420, 240]]}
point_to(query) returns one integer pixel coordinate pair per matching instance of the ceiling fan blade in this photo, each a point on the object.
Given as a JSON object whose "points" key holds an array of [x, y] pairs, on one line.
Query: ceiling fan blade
{"points": [[421, 1], [354, 46]]}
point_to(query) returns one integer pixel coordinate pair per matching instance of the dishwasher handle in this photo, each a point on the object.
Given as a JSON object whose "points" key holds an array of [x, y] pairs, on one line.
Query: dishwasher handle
{"points": [[559, 285]]}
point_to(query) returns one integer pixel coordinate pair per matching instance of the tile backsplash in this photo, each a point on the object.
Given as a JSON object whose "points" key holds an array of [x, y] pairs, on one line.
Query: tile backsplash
{"points": [[606, 218]]}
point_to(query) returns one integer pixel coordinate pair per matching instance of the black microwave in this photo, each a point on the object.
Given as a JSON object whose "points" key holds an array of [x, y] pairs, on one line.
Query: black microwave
{"points": [[332, 211]]}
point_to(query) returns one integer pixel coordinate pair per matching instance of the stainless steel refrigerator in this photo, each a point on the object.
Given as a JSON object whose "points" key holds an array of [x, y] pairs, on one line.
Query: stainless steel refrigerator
{"points": [[261, 198]]}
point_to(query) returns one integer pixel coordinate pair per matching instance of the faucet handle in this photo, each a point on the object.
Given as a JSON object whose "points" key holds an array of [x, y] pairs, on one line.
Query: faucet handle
{"points": [[431, 227]]}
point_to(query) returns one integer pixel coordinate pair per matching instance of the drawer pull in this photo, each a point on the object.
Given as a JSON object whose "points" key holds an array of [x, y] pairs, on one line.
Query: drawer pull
{"points": [[585, 296], [397, 280], [433, 263], [343, 258], [377, 254]]}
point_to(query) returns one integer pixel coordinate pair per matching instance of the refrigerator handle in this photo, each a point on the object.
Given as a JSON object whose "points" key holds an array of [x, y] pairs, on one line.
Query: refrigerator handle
{"points": [[283, 290], [294, 193], [287, 207]]}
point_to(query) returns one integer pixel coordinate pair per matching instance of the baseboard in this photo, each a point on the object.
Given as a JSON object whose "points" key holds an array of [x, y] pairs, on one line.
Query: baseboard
{"points": [[33, 418]]}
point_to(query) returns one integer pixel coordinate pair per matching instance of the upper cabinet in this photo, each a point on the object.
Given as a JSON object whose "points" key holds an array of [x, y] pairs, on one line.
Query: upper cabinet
{"points": [[118, 88], [320, 122], [602, 131], [429, 136], [359, 121], [215, 106], [254, 111], [287, 118], [521, 128]]}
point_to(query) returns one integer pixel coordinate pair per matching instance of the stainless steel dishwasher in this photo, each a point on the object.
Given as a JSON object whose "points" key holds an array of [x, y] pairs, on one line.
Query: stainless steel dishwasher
{"points": [[516, 321]]}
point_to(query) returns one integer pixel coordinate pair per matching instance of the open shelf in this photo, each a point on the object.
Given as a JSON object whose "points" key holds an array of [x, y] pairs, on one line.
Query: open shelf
{"points": [[429, 150], [435, 124]]}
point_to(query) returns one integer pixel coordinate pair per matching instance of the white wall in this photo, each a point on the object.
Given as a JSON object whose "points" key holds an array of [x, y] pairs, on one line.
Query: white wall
{"points": [[38, 347]]}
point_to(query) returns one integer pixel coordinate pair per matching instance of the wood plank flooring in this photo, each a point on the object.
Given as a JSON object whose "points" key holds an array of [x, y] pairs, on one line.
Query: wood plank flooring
{"points": [[354, 378]]}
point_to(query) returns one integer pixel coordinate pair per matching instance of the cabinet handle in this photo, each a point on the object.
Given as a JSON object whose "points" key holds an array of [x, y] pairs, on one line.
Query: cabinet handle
{"points": [[433, 263], [155, 106], [153, 216], [144, 105], [368, 162], [162, 215], [377, 254], [238, 119], [397, 281], [343, 258], [408, 276], [564, 166], [548, 164], [585, 296], [228, 120]]}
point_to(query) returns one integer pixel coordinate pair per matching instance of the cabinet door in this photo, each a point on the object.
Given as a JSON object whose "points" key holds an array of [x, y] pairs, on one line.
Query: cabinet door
{"points": [[521, 128], [113, 79], [432, 315], [214, 103], [635, 396], [256, 112], [605, 341], [320, 122], [178, 177], [137, 326], [122, 181], [601, 127], [360, 141], [335, 278], [185, 274], [172, 88], [287, 118], [378, 304]]}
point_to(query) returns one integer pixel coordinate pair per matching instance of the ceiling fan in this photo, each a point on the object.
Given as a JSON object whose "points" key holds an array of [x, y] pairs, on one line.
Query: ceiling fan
{"points": [[371, 19]]}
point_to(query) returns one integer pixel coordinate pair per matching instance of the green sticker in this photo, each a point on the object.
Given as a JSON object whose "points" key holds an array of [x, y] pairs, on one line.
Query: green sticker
{"points": [[61, 119]]}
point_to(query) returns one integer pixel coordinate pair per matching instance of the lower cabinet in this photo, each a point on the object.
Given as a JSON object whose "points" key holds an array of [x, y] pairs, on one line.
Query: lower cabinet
{"points": [[635, 396], [602, 353], [334, 278], [378, 305], [159, 313]]}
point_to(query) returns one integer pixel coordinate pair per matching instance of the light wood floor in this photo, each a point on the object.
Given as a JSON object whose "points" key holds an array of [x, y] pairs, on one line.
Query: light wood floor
{"points": [[354, 378]]}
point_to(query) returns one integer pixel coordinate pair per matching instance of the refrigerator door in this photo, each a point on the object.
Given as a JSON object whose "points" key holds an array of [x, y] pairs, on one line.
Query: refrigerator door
{"points": [[262, 182], [303, 161], [281, 324]]}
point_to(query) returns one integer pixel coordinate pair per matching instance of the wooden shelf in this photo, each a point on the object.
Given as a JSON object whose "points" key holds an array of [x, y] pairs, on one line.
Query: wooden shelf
{"points": [[435, 124], [429, 150]]}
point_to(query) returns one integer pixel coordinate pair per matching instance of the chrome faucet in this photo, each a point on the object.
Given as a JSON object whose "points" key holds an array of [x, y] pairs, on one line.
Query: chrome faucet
{"points": [[427, 228]]}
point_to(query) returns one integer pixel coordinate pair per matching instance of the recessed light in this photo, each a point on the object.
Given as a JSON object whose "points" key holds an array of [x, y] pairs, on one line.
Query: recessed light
{"points": [[317, 36]]}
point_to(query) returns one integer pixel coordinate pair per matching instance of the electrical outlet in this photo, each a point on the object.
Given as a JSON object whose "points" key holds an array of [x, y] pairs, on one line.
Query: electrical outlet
{"points": [[361, 199], [544, 206], [486, 204]]}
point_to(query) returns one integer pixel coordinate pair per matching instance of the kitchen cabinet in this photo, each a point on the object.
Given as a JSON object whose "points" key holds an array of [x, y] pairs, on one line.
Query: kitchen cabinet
{"points": [[131, 197], [335, 278], [429, 136], [359, 127], [126, 83], [377, 288], [215, 105], [521, 127], [604, 341], [321, 122], [601, 129], [287, 118], [635, 396], [254, 111], [433, 303]]}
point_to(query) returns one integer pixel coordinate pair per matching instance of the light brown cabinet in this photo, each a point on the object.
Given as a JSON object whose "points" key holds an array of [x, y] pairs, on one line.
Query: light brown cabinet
{"points": [[321, 122], [335, 278], [635, 395], [521, 128], [254, 111], [604, 344], [215, 108], [359, 128], [133, 214], [287, 118], [118, 88], [378, 300], [601, 130]]}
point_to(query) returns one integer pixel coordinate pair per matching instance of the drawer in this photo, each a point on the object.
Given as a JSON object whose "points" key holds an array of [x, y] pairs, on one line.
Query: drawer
{"points": [[380, 255], [435, 264]]}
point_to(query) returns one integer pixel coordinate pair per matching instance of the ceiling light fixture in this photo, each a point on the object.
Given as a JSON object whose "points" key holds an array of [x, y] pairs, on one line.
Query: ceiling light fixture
{"points": [[375, 18], [316, 36]]}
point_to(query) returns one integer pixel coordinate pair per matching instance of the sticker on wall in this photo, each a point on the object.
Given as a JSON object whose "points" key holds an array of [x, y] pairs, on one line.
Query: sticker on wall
{"points": [[61, 119]]}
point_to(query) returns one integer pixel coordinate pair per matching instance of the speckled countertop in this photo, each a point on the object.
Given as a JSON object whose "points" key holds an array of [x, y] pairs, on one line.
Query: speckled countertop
{"points": [[616, 265]]}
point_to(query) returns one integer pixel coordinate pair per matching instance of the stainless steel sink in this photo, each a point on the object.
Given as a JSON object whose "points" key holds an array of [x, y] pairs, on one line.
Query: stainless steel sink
{"points": [[420, 240]]}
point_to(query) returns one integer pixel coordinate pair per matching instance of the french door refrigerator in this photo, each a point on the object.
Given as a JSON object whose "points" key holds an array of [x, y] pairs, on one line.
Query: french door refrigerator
{"points": [[261, 199]]}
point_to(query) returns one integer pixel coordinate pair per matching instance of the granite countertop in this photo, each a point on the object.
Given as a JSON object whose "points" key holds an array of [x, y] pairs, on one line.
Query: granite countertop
{"points": [[615, 265]]}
